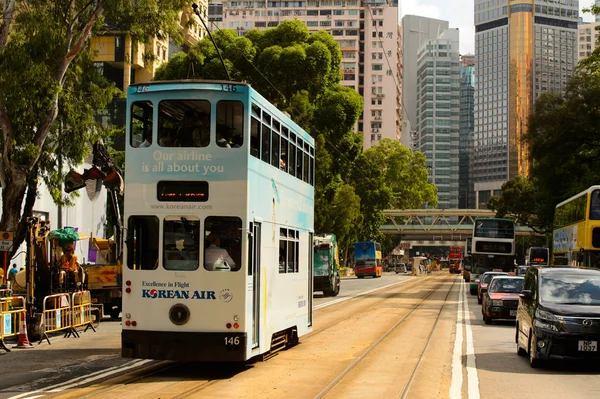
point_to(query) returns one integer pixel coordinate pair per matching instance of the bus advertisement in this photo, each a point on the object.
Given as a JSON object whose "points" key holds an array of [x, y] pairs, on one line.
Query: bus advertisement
{"points": [[493, 248], [455, 258], [367, 259], [219, 206], [576, 231]]}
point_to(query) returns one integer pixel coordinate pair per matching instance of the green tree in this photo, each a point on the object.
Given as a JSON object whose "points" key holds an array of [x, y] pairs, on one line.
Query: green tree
{"points": [[46, 72]]}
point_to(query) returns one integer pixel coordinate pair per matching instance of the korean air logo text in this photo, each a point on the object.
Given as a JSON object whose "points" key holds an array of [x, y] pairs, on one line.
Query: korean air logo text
{"points": [[177, 294]]}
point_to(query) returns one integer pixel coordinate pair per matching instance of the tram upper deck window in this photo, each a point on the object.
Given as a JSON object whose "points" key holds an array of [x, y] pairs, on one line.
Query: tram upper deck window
{"points": [[184, 123], [140, 130], [223, 243], [255, 138], [142, 242], [181, 243], [230, 124]]}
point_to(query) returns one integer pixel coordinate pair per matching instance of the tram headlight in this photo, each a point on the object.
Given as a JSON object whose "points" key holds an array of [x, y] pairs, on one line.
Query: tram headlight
{"points": [[236, 318], [128, 315]]}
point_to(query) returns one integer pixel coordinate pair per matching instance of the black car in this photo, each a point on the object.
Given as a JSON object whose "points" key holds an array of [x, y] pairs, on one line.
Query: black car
{"points": [[559, 314]]}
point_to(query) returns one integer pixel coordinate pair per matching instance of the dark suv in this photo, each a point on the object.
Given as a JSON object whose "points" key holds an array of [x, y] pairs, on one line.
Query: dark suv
{"points": [[559, 314]]}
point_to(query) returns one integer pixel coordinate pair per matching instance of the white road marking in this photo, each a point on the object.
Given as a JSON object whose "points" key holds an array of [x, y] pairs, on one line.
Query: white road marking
{"points": [[457, 374], [84, 379], [324, 305], [472, 378]]}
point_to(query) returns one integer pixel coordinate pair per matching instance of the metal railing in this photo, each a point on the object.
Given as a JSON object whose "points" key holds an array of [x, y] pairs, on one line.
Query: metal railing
{"points": [[12, 314]]}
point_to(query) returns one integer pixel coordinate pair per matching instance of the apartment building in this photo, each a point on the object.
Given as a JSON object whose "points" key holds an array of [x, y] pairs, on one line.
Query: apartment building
{"points": [[368, 36], [438, 111], [587, 39], [522, 50]]}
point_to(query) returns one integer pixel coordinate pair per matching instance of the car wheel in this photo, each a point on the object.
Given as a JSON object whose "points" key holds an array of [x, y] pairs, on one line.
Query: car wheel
{"points": [[487, 320], [534, 362], [337, 289]]}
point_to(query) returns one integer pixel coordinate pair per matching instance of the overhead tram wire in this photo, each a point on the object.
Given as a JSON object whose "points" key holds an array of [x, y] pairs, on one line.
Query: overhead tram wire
{"points": [[197, 12], [311, 125]]}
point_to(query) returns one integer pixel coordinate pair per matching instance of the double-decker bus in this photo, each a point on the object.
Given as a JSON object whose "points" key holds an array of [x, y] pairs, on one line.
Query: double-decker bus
{"points": [[493, 248], [576, 231], [455, 258], [219, 199], [537, 256], [367, 259], [467, 259]]}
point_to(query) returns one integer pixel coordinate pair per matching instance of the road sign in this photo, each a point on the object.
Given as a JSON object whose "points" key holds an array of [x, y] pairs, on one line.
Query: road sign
{"points": [[6, 240]]}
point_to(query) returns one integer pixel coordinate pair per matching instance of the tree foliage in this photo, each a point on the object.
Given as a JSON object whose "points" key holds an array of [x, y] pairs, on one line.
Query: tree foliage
{"points": [[50, 89]]}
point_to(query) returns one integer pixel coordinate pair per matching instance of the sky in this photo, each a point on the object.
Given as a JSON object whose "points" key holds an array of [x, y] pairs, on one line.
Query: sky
{"points": [[459, 13]]}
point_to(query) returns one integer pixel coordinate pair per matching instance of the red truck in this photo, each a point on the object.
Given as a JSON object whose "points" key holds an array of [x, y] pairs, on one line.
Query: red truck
{"points": [[455, 258]]}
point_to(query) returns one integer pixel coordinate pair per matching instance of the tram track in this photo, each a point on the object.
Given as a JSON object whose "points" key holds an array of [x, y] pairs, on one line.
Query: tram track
{"points": [[406, 388]]}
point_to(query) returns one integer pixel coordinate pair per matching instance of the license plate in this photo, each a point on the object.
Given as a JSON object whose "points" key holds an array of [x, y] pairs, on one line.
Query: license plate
{"points": [[513, 312], [588, 346]]}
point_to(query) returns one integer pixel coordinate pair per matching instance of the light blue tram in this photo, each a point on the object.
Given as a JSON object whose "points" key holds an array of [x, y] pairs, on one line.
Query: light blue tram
{"points": [[219, 200]]}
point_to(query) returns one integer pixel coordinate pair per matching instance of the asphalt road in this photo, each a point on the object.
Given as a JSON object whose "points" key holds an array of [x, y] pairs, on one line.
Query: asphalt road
{"points": [[503, 374], [25, 371]]}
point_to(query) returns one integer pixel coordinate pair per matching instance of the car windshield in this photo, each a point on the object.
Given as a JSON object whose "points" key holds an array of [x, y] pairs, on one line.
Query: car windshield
{"points": [[506, 284], [488, 277], [571, 289]]}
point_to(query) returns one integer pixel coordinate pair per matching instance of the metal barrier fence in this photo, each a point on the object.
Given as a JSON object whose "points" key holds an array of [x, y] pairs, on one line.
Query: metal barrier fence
{"points": [[62, 312], [12, 314], [5, 292]]}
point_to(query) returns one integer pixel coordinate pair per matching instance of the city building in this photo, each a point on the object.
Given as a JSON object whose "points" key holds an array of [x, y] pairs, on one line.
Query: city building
{"points": [[415, 30], [368, 36], [521, 51], [587, 40], [466, 197], [438, 111]]}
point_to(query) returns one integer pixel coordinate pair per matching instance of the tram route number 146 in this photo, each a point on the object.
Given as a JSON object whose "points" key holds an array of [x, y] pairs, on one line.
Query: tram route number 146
{"points": [[232, 340]]}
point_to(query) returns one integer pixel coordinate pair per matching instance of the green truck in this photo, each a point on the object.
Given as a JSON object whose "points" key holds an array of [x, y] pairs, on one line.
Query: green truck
{"points": [[326, 265]]}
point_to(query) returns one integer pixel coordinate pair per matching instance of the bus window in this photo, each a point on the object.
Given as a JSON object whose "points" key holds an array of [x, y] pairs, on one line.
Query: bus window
{"points": [[284, 155], [255, 138], [140, 131], [222, 243], [266, 144], [230, 124], [299, 160], [595, 205], [181, 243], [275, 160], [184, 123], [142, 242]]}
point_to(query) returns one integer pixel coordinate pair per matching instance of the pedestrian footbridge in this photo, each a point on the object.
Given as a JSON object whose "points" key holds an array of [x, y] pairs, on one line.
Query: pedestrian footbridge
{"points": [[435, 227]]}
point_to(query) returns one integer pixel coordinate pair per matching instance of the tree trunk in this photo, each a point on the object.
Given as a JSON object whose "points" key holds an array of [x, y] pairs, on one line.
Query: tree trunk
{"points": [[12, 202]]}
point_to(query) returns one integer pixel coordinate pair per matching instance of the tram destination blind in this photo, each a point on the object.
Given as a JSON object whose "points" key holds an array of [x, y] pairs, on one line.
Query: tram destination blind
{"points": [[182, 191]]}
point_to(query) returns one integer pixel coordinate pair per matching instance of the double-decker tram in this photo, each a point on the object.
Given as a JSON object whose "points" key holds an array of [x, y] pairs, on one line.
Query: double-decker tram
{"points": [[368, 259], [576, 230], [492, 248], [219, 200]]}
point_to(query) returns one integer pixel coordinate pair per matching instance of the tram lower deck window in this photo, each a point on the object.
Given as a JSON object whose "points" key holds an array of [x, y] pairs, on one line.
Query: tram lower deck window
{"points": [[142, 242], [223, 243]]}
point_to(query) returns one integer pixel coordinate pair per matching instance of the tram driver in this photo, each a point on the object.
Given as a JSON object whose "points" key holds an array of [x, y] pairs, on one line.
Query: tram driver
{"points": [[215, 257]]}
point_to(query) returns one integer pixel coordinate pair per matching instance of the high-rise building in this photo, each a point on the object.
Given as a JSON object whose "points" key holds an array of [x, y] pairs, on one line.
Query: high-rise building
{"points": [[415, 30], [521, 51], [438, 110], [466, 197], [587, 40], [367, 33]]}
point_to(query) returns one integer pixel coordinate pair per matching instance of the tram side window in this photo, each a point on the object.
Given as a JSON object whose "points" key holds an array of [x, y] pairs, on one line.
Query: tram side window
{"points": [[284, 155], [230, 124], [184, 123], [255, 138], [140, 131], [292, 156], [288, 250], [142, 242], [306, 168], [275, 159], [299, 160], [266, 144], [223, 243], [181, 243]]}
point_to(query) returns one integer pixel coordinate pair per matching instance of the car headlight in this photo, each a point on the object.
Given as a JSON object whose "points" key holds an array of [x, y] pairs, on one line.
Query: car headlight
{"points": [[545, 325], [497, 303], [545, 315]]}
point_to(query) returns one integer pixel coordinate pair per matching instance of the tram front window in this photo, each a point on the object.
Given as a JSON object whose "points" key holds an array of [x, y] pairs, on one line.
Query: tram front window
{"points": [[184, 123], [142, 242], [181, 243], [223, 243]]}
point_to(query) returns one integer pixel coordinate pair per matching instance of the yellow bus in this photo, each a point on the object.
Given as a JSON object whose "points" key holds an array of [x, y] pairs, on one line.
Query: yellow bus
{"points": [[576, 233]]}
